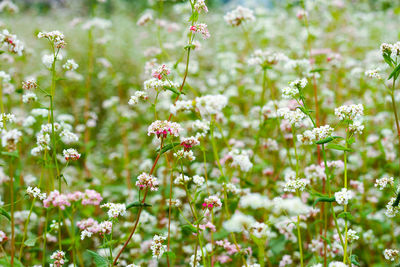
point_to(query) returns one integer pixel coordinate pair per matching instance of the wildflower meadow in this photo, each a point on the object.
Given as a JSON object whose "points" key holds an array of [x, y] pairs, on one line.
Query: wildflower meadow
{"points": [[199, 133]]}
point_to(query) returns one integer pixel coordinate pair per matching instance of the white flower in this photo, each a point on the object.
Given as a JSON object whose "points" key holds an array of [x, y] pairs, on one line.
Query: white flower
{"points": [[349, 112], [337, 264], [181, 179], [29, 97], [295, 184], [391, 254], [182, 154], [210, 104], [343, 196], [9, 139], [35, 193], [163, 128], [70, 65], [390, 210], [198, 180], [71, 154], [384, 182], [238, 222], [157, 246], [115, 209], [47, 60], [241, 159], [239, 16], [373, 73], [146, 180], [293, 116], [54, 36], [352, 235]]}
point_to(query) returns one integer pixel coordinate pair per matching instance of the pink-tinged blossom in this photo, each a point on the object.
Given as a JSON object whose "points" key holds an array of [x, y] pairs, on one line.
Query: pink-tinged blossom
{"points": [[211, 202], [3, 237], [189, 142], [91, 226], [160, 72], [58, 257], [163, 128], [56, 199], [71, 154], [200, 28], [147, 181], [91, 197]]}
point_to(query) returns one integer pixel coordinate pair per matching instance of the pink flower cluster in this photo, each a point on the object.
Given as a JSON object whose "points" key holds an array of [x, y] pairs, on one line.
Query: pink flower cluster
{"points": [[147, 181], [162, 128], [211, 202], [58, 258], [201, 28], [208, 225], [160, 72], [55, 199], [91, 226], [189, 142]]}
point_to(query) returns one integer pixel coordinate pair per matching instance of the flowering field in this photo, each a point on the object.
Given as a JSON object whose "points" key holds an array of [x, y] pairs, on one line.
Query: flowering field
{"points": [[196, 133]]}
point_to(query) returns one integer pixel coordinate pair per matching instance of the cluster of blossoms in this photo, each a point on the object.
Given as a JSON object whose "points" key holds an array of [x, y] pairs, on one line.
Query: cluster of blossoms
{"points": [[146, 180], [134, 99], [241, 159], [181, 179], [163, 128], [182, 154], [10, 43], [56, 37], [3, 237], [382, 183], [89, 197], [70, 65], [58, 258], [349, 112], [316, 134], [391, 50], [391, 254], [391, 211], [290, 92], [91, 226], [200, 6], [71, 154], [144, 19], [181, 105], [202, 29], [157, 246], [211, 104], [211, 202], [373, 74], [265, 58], [239, 15], [189, 142], [35, 193], [6, 117], [352, 235], [294, 117], [10, 139], [29, 84], [114, 209], [294, 185], [157, 84], [161, 72], [29, 97], [343, 196]]}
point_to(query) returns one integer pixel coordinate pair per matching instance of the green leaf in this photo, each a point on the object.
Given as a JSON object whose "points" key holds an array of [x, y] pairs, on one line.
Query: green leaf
{"points": [[5, 261], [354, 260], [171, 255], [98, 260], [388, 59], [327, 240], [346, 215], [5, 214], [338, 147], [189, 228], [318, 70], [324, 199], [168, 147], [137, 204], [395, 72], [191, 46], [10, 154], [172, 89], [328, 139], [30, 242]]}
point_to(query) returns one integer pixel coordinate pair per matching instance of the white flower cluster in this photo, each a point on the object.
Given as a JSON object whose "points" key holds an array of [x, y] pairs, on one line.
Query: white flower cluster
{"points": [[373, 73], [183, 154], [115, 209], [6, 117], [58, 257], [352, 235], [210, 104], [259, 230], [35, 193], [202, 29], [71, 154], [29, 84], [212, 201], [200, 6], [299, 83], [10, 139], [391, 254], [135, 98], [157, 84], [144, 19], [48, 60], [181, 105], [10, 43], [290, 92], [157, 246], [163, 128], [356, 127], [293, 116], [70, 65], [146, 180], [202, 126], [265, 58], [294, 185], [198, 180], [391, 49], [241, 159], [349, 112], [239, 16], [390, 210], [384, 182], [29, 97], [181, 179], [316, 134], [56, 37], [343, 196], [337, 264]]}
